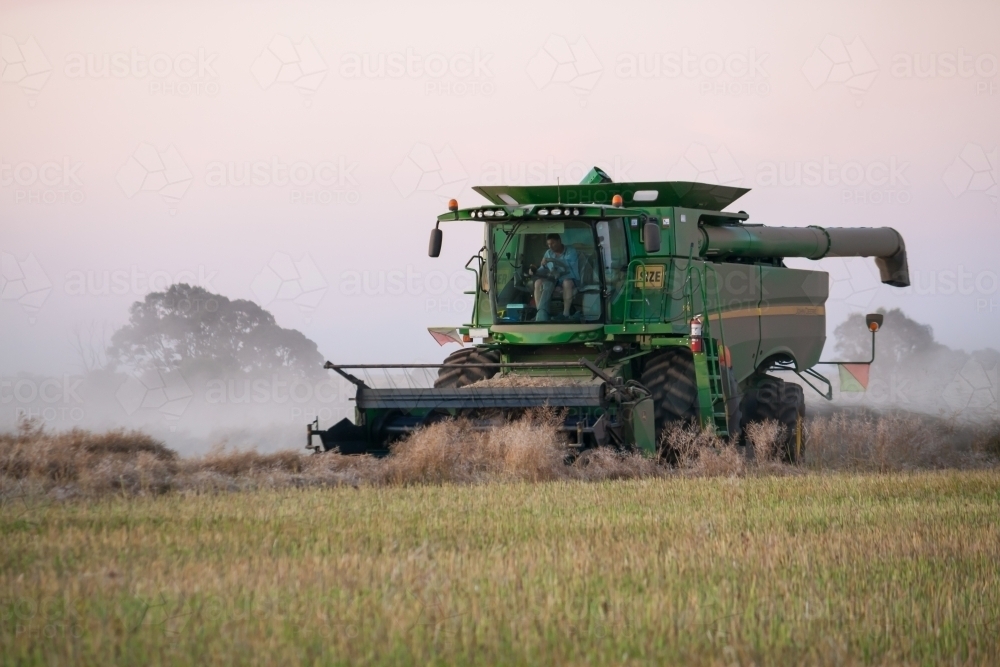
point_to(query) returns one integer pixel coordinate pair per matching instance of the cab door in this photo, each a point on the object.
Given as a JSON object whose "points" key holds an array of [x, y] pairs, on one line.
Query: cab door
{"points": [[613, 251]]}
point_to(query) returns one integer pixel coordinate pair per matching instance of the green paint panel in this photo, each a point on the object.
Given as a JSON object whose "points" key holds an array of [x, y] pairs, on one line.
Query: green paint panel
{"points": [[546, 334], [643, 422]]}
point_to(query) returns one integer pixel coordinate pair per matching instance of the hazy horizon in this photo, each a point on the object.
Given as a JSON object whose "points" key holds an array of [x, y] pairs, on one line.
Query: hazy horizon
{"points": [[296, 155]]}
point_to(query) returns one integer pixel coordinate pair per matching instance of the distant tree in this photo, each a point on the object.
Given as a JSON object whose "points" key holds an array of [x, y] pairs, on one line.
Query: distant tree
{"points": [[899, 341], [190, 329]]}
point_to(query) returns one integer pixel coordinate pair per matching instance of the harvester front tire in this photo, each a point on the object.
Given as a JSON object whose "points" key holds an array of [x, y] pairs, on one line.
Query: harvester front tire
{"points": [[457, 373], [670, 379]]}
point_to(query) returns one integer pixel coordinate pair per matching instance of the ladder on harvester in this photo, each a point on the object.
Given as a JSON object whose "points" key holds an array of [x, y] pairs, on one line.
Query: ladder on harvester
{"points": [[720, 415], [715, 393]]}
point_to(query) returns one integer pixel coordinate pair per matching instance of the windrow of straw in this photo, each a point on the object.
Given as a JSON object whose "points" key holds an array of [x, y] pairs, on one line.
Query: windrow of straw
{"points": [[531, 448]]}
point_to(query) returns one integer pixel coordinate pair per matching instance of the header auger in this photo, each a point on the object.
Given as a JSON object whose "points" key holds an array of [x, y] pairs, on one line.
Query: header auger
{"points": [[629, 307]]}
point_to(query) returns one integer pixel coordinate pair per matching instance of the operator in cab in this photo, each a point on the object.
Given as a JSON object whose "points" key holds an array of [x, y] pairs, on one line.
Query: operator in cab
{"points": [[560, 267]]}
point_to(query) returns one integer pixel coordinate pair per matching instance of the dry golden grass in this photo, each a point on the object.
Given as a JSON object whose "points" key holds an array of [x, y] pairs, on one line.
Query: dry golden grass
{"points": [[529, 449], [831, 569], [898, 441], [521, 380]]}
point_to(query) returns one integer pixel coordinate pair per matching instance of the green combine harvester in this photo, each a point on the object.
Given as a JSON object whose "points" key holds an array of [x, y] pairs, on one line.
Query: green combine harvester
{"points": [[630, 308]]}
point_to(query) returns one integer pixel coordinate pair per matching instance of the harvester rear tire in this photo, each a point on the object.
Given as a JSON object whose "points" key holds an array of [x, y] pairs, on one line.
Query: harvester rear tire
{"points": [[776, 400], [670, 379], [457, 373], [793, 413]]}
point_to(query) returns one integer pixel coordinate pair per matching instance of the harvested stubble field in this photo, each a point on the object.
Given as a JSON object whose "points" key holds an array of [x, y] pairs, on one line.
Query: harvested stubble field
{"points": [[721, 562]]}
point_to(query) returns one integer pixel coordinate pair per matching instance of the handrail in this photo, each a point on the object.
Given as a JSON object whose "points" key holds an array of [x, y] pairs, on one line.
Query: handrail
{"points": [[718, 310], [342, 369], [479, 286]]}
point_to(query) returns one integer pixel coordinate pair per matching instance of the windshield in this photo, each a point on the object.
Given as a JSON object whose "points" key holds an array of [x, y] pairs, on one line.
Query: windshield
{"points": [[546, 272]]}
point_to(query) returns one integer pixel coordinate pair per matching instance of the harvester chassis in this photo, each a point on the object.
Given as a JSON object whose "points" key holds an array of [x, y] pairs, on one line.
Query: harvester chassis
{"points": [[676, 312]]}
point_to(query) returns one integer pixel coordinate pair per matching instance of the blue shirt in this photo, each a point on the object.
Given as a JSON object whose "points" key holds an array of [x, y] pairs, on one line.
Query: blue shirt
{"points": [[570, 258]]}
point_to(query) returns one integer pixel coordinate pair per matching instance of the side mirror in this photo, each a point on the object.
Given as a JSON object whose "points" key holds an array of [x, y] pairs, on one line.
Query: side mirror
{"points": [[434, 249], [874, 321], [651, 236]]}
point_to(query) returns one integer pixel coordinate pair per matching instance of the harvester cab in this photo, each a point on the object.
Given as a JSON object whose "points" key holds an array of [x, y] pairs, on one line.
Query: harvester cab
{"points": [[631, 308]]}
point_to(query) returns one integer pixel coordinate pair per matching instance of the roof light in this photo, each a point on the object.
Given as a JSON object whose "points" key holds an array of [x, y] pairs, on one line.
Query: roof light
{"points": [[616, 201], [557, 211], [543, 211], [452, 204], [874, 321], [576, 211], [500, 213], [488, 214]]}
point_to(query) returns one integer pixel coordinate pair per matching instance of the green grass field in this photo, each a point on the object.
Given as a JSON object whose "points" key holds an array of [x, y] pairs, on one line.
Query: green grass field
{"points": [[828, 569]]}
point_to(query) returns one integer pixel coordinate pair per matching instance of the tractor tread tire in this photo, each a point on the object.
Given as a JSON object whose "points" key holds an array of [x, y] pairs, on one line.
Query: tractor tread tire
{"points": [[776, 400], [457, 373], [670, 379], [793, 409]]}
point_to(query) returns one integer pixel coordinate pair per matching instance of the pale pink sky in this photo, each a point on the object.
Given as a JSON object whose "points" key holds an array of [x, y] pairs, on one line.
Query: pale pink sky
{"points": [[533, 91]]}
